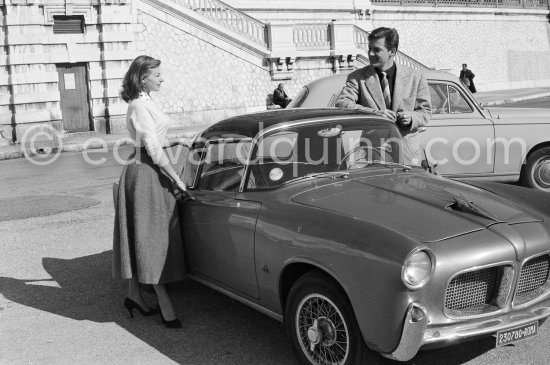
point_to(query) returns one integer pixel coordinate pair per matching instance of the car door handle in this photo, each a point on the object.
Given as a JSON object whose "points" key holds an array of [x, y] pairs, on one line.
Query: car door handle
{"points": [[421, 129]]}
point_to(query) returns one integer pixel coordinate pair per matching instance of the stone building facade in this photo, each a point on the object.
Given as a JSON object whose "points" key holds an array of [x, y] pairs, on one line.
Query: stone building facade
{"points": [[505, 48], [506, 43], [63, 61], [208, 77]]}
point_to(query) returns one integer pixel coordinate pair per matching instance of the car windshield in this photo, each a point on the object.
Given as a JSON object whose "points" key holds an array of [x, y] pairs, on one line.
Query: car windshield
{"points": [[299, 98], [318, 149]]}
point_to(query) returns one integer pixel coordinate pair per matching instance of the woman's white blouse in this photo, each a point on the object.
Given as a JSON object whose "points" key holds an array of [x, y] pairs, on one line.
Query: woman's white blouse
{"points": [[147, 125]]}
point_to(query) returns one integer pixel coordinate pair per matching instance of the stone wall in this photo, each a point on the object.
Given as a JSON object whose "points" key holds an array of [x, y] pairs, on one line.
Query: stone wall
{"points": [[208, 79], [30, 51], [303, 11], [201, 80], [213, 70], [506, 49]]}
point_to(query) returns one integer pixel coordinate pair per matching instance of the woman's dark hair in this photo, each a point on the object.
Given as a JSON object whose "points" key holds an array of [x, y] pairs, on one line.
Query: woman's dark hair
{"points": [[131, 85], [389, 34]]}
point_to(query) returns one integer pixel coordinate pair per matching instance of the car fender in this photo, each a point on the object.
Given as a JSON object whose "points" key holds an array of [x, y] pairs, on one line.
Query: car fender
{"points": [[534, 201], [364, 258], [513, 144]]}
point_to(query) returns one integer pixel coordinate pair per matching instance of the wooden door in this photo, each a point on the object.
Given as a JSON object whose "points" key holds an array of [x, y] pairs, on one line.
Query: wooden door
{"points": [[73, 88]]}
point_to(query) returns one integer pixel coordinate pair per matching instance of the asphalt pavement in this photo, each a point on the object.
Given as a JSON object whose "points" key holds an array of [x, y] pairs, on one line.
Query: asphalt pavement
{"points": [[90, 140], [59, 304]]}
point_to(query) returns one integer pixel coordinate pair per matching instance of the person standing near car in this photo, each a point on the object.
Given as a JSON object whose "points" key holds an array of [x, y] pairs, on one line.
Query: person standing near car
{"points": [[147, 242], [467, 78], [394, 91], [280, 97]]}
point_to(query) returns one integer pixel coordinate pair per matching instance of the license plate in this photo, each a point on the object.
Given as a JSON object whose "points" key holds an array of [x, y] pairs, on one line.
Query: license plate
{"points": [[515, 334]]}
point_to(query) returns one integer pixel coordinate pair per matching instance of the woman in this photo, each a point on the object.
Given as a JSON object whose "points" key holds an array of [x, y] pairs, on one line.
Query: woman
{"points": [[147, 245]]}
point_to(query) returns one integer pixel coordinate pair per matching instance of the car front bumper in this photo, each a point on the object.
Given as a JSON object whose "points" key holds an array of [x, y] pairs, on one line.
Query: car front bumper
{"points": [[417, 334]]}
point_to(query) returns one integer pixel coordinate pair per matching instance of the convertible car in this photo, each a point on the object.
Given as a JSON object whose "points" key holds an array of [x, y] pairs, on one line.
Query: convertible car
{"points": [[309, 216], [464, 139]]}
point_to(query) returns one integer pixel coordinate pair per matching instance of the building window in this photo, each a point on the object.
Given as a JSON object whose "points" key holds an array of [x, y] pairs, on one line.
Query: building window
{"points": [[65, 24]]}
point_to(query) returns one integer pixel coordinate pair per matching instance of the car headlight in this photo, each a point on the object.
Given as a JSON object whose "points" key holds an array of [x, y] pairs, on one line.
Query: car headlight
{"points": [[417, 268]]}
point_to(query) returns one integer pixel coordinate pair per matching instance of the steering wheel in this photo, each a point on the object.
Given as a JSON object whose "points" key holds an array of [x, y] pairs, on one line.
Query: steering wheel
{"points": [[232, 182], [366, 148]]}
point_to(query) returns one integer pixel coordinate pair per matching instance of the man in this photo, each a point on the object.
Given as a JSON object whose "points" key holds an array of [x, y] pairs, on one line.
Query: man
{"points": [[467, 78], [396, 92], [280, 97]]}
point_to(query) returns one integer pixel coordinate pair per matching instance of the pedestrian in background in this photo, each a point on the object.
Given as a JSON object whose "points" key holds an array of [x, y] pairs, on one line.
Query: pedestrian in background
{"points": [[467, 78], [148, 242], [394, 91], [280, 97]]}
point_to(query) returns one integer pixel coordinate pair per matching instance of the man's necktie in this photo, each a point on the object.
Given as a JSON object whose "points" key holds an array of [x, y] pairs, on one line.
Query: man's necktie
{"points": [[386, 90]]}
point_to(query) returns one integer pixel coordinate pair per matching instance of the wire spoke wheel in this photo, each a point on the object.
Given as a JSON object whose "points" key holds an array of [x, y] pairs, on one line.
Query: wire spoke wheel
{"points": [[322, 331], [320, 321]]}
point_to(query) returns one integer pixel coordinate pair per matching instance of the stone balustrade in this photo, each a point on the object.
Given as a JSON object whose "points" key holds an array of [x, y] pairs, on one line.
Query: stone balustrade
{"points": [[311, 36], [340, 41], [526, 4], [230, 17]]}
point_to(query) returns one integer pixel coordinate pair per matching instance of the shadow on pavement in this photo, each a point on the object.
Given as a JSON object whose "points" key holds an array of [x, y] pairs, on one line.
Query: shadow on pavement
{"points": [[216, 329]]}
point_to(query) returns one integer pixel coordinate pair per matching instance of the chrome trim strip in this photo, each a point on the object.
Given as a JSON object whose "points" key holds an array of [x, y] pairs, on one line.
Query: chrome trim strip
{"points": [[412, 336], [508, 295], [259, 308], [498, 177], [459, 331]]}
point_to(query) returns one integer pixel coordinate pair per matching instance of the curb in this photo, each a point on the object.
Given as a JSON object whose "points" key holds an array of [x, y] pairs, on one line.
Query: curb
{"points": [[516, 99], [72, 147], [10, 155]]}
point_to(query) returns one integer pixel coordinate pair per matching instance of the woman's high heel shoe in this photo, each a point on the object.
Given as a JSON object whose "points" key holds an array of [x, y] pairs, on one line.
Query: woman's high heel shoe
{"points": [[175, 323], [131, 305]]}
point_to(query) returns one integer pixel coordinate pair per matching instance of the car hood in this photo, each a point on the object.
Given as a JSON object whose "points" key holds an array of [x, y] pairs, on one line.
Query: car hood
{"points": [[505, 113], [421, 206]]}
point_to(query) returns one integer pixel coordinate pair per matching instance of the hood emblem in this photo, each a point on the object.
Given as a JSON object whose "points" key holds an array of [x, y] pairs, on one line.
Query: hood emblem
{"points": [[329, 132]]}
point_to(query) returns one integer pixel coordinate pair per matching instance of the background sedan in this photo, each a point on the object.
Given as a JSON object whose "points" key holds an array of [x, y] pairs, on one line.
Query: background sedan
{"points": [[464, 139]]}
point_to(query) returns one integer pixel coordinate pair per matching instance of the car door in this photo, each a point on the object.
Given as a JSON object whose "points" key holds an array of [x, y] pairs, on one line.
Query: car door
{"points": [[218, 228], [458, 138]]}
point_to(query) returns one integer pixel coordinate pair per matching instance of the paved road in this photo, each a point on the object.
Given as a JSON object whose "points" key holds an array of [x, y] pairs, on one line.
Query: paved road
{"points": [[59, 305], [533, 103]]}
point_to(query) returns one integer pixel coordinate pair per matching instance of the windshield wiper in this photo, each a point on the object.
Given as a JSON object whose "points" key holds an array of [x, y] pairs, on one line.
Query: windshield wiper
{"points": [[329, 174]]}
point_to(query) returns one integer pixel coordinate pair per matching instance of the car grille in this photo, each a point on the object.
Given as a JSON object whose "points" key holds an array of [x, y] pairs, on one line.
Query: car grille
{"points": [[471, 292], [533, 276]]}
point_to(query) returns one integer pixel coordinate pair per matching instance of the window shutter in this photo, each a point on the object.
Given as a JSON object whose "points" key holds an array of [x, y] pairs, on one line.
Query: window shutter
{"points": [[63, 24]]}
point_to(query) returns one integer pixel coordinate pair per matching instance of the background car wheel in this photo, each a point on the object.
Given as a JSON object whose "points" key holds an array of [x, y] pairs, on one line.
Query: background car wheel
{"points": [[536, 172], [321, 324]]}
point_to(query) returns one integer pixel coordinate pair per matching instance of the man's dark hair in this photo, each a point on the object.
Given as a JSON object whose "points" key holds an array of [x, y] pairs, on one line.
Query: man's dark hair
{"points": [[464, 65], [389, 34]]}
